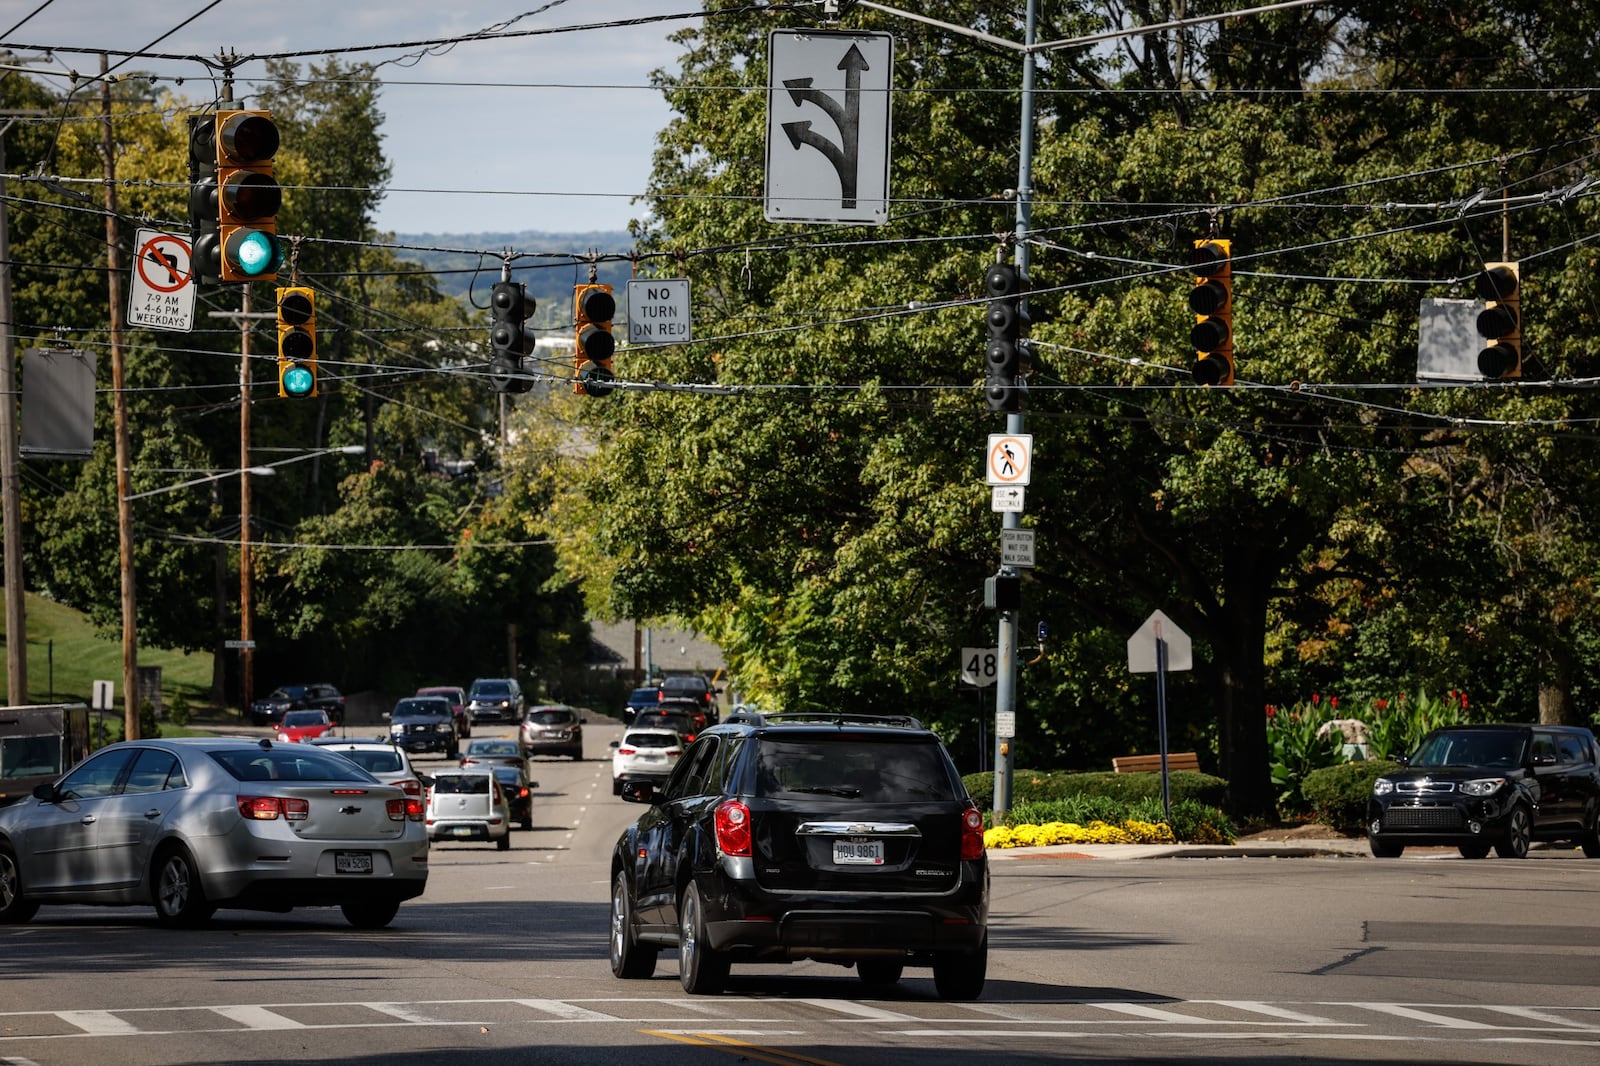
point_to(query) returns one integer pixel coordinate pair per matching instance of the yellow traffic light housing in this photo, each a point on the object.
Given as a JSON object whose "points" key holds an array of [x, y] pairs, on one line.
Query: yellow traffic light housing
{"points": [[297, 341], [1211, 300], [248, 196], [1500, 321], [594, 307]]}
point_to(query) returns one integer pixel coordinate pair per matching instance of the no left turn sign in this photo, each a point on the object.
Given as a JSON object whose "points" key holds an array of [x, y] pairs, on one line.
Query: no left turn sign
{"points": [[160, 295]]}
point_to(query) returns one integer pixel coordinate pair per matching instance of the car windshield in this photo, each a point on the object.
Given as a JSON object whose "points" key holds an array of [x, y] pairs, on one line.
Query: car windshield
{"points": [[508, 776], [420, 708], [461, 785], [1503, 748], [492, 747], [491, 690], [291, 762], [643, 695], [288, 692], [549, 717], [376, 760], [854, 767]]}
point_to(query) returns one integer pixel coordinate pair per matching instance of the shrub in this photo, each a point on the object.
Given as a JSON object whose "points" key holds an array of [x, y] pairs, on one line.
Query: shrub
{"points": [[1192, 821], [178, 711], [148, 726], [1338, 794], [1029, 786]]}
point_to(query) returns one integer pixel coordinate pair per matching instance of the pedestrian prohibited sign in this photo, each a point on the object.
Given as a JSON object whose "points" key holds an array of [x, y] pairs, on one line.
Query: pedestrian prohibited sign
{"points": [[828, 126], [1010, 458]]}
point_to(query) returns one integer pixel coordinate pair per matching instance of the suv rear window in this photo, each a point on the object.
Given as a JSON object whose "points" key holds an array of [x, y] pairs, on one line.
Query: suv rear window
{"points": [[550, 717], [853, 766]]}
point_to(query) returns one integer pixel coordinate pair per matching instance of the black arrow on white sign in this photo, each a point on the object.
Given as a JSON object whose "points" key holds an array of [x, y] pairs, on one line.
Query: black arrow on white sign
{"points": [[845, 156]]}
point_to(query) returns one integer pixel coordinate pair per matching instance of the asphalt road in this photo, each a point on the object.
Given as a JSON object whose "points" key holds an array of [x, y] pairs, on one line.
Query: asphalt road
{"points": [[1151, 960]]}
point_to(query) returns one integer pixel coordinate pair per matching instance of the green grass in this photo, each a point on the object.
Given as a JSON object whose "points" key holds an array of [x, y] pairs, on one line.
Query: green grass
{"points": [[66, 655]]}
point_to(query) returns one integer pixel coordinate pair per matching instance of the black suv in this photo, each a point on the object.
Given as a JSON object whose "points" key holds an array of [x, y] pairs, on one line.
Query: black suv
{"points": [[269, 709], [495, 699], [694, 687], [847, 838], [425, 723], [1499, 786]]}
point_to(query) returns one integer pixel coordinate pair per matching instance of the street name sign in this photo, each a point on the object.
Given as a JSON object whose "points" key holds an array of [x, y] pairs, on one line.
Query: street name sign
{"points": [[658, 311], [160, 292], [1016, 547], [828, 96]]}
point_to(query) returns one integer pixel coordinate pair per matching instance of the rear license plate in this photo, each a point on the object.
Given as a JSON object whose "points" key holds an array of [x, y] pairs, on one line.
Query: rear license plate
{"points": [[858, 852], [352, 862], [462, 830]]}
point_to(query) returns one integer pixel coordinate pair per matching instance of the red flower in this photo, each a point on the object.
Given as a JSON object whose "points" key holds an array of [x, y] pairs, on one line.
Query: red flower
{"points": [[1272, 712], [1315, 698], [1382, 705], [1334, 703]]}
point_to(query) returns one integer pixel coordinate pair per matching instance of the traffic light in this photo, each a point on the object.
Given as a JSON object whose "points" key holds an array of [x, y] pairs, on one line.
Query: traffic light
{"points": [[248, 196], [509, 340], [1500, 321], [1006, 357], [205, 249], [595, 307], [297, 342], [1211, 300]]}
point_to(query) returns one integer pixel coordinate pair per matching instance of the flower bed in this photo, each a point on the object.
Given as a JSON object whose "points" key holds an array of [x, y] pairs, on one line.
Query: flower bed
{"points": [[1035, 836]]}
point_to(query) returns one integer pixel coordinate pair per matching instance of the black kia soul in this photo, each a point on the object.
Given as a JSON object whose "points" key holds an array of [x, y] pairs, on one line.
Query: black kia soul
{"points": [[847, 839]]}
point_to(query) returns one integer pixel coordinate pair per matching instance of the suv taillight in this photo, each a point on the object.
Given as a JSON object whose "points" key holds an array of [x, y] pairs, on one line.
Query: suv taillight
{"points": [[971, 834], [733, 828]]}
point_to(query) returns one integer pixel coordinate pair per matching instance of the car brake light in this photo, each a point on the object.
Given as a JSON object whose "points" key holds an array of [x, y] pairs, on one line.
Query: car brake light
{"points": [[410, 787], [521, 793], [733, 828], [397, 809], [414, 809], [689, 738], [626, 751], [971, 834], [267, 808]]}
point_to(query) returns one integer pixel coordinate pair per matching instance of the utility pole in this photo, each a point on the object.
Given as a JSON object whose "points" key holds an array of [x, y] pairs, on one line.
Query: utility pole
{"points": [[16, 613]]}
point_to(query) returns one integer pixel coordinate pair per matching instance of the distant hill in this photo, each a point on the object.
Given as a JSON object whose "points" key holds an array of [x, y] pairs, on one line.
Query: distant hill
{"points": [[549, 281]]}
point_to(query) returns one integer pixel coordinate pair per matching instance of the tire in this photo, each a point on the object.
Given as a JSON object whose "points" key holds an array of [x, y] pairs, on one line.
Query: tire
{"points": [[1473, 851], [1384, 849], [616, 786], [960, 974], [526, 824], [15, 908], [370, 913], [179, 897], [702, 970], [1519, 834], [630, 960], [880, 973], [1590, 840], [504, 843]]}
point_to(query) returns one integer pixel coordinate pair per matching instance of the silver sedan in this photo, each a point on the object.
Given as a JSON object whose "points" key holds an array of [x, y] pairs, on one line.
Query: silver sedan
{"points": [[195, 824]]}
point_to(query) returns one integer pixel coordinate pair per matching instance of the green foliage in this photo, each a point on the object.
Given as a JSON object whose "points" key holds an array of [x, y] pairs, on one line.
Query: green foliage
{"points": [[1042, 786], [178, 710], [148, 725], [1338, 795], [1192, 820]]}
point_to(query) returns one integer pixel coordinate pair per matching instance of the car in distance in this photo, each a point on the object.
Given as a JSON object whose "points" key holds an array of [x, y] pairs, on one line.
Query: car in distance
{"points": [[690, 709], [679, 723], [492, 751], [298, 726], [424, 723], [518, 792], [1490, 786], [458, 704], [552, 730], [696, 687], [468, 805], [640, 699], [495, 699], [196, 815], [847, 839], [270, 709], [644, 755], [380, 758]]}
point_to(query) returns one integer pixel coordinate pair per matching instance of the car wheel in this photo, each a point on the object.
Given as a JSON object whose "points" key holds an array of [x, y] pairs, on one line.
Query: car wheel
{"points": [[616, 786], [504, 843], [1473, 851], [630, 960], [702, 970], [1384, 849], [1590, 840], [960, 974], [180, 899], [1519, 834], [880, 973], [370, 913], [15, 908]]}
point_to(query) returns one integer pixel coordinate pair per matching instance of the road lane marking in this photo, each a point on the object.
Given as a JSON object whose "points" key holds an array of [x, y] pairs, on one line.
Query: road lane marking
{"points": [[98, 1022], [1442, 1020], [859, 1010], [726, 1044], [567, 1011], [253, 1017], [1271, 1011]]}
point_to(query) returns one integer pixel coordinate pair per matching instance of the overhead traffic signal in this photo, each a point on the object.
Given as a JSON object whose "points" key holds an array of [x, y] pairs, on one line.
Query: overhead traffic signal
{"points": [[509, 339], [297, 341], [594, 308], [1500, 321], [248, 196], [1006, 356], [205, 249], [1211, 300]]}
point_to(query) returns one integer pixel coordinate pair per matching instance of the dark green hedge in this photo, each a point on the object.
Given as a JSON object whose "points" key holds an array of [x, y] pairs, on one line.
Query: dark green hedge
{"points": [[1038, 786], [1338, 794]]}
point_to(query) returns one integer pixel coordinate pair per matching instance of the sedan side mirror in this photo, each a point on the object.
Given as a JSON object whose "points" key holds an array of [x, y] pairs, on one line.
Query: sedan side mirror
{"points": [[616, 743], [639, 791], [45, 791]]}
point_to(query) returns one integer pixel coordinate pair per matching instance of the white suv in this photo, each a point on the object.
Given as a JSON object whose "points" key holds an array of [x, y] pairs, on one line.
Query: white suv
{"points": [[468, 805]]}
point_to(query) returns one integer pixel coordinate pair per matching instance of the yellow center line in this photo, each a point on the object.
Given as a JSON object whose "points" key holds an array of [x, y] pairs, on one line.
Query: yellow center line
{"points": [[775, 1056]]}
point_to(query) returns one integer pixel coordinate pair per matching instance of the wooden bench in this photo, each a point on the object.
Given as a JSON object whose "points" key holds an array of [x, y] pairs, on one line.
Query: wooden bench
{"points": [[1151, 764]]}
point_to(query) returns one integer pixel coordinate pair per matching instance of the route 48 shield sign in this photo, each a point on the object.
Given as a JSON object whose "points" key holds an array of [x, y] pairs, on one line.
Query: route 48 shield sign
{"points": [[828, 126]]}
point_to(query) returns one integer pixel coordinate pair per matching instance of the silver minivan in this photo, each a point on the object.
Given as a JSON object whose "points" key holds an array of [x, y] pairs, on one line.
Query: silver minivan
{"points": [[468, 804]]}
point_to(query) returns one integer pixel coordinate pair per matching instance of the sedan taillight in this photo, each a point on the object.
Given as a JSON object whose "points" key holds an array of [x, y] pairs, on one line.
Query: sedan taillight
{"points": [[971, 834], [733, 828], [397, 809], [267, 808], [411, 787]]}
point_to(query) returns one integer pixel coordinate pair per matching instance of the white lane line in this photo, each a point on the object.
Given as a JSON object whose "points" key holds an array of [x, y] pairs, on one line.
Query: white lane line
{"points": [[98, 1022], [404, 1011], [1534, 1014], [253, 1017], [1154, 1014], [567, 1011], [1444, 1021], [859, 1010], [1272, 1011]]}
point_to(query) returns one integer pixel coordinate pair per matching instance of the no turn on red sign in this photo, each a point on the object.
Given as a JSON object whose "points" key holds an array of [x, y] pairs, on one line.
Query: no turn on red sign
{"points": [[160, 291]]}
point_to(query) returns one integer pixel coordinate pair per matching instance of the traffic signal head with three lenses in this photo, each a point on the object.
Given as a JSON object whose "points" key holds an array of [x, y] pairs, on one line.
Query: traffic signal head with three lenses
{"points": [[297, 341], [1500, 321], [509, 340], [205, 255], [594, 307], [248, 196], [1006, 353], [1211, 300]]}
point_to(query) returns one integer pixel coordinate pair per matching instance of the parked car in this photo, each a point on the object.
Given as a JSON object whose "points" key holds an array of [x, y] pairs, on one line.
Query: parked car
{"points": [[696, 687], [458, 705], [552, 730], [495, 699], [1490, 786], [492, 751], [424, 723], [468, 805], [845, 838], [194, 817], [270, 709], [298, 726], [519, 793], [644, 755], [381, 758], [640, 699]]}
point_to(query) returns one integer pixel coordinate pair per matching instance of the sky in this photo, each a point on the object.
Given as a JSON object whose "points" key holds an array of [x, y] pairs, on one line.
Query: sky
{"points": [[549, 133]]}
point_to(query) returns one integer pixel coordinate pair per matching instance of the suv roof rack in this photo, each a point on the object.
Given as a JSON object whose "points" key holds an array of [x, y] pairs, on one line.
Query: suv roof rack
{"points": [[838, 718]]}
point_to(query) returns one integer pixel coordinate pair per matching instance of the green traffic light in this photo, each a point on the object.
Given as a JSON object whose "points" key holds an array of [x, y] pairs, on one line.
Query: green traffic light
{"points": [[297, 381], [254, 253]]}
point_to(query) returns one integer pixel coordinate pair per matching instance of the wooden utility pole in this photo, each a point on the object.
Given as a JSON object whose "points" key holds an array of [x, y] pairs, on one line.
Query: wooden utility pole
{"points": [[11, 508]]}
